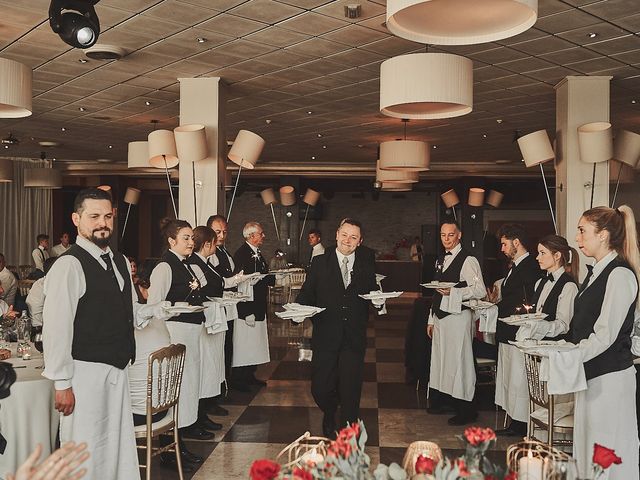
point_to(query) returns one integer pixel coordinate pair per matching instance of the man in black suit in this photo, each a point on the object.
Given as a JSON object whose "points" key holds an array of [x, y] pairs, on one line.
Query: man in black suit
{"points": [[517, 289], [250, 338], [339, 340]]}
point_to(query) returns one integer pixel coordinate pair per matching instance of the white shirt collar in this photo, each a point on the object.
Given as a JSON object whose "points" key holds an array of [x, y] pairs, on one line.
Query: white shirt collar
{"points": [[350, 258], [558, 273], [317, 246], [454, 251], [201, 257], [517, 261], [92, 248], [606, 260], [255, 249], [180, 257]]}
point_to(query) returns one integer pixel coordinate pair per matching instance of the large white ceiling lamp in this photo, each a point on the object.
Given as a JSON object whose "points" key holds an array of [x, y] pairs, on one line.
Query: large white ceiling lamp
{"points": [[626, 150], [15, 89], [138, 155], [595, 142], [407, 155], [6, 171], [426, 86], [42, 178], [191, 146], [131, 197], [269, 198], [460, 22], [536, 149], [396, 187], [396, 176], [451, 199], [245, 152]]}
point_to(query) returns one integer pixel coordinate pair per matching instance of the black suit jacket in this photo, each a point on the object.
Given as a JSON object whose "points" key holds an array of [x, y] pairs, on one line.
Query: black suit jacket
{"points": [[246, 261], [344, 322], [519, 288]]}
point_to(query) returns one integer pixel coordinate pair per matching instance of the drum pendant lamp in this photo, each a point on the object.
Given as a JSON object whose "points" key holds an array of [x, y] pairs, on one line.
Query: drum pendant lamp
{"points": [[163, 154], [460, 22], [311, 198], [269, 198], [131, 197], [626, 150], [15, 89], [450, 199], [191, 146], [595, 141], [245, 152]]}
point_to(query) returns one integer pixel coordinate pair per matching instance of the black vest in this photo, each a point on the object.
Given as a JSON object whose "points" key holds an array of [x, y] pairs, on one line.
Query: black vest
{"points": [[587, 309], [550, 306], [451, 274], [224, 265], [518, 289], [180, 290], [103, 325], [215, 283]]}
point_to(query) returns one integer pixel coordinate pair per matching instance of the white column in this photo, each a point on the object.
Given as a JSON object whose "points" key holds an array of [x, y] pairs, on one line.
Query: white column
{"points": [[202, 101], [579, 100]]}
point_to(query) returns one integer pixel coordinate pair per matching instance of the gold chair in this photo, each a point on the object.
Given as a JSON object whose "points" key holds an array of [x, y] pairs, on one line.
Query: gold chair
{"points": [[164, 377], [296, 281], [542, 406], [12, 268], [24, 286], [24, 271]]}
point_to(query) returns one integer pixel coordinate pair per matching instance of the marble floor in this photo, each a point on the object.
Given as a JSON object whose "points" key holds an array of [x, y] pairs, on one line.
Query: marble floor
{"points": [[261, 423]]}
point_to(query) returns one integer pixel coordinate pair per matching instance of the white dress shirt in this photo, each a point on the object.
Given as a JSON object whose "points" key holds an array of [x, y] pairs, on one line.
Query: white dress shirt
{"points": [[564, 311], [39, 255], [620, 292], [4, 308], [35, 302], [59, 249], [64, 285], [9, 285], [161, 278], [318, 249], [470, 273]]}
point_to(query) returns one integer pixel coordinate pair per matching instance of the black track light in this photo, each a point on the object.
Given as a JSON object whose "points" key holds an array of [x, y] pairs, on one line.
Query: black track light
{"points": [[75, 21]]}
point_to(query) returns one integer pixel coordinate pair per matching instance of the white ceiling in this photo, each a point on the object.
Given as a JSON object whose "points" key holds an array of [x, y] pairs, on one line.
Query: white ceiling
{"points": [[283, 59]]}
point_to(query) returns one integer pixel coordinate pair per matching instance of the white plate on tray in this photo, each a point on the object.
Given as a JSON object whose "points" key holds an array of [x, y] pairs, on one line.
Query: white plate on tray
{"points": [[185, 309], [436, 285]]}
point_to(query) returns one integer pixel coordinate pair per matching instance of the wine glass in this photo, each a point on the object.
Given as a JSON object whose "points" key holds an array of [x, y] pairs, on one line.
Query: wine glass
{"points": [[37, 342]]}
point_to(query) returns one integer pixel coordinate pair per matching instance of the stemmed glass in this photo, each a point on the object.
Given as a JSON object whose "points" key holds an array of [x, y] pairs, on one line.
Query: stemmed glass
{"points": [[37, 342]]}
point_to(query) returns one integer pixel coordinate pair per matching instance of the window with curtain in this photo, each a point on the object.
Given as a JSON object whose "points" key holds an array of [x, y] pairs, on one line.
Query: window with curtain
{"points": [[24, 213]]}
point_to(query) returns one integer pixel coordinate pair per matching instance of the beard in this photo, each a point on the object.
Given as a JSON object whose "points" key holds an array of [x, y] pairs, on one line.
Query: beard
{"points": [[101, 242]]}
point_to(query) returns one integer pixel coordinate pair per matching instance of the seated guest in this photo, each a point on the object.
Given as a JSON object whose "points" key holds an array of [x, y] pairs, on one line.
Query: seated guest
{"points": [[9, 282], [6, 310], [279, 260], [601, 326], [35, 298], [62, 247], [39, 255]]}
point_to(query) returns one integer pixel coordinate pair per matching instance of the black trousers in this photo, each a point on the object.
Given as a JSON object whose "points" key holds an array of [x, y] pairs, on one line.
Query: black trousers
{"points": [[336, 380], [228, 349]]}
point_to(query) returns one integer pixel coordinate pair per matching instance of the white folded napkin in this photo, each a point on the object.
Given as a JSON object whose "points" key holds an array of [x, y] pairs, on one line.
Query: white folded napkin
{"points": [[250, 320], [215, 318], [488, 319], [231, 312], [245, 288], [535, 329], [563, 371], [452, 303]]}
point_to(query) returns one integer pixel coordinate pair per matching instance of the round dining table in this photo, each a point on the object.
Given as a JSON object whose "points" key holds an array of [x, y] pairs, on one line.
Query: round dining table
{"points": [[27, 415]]}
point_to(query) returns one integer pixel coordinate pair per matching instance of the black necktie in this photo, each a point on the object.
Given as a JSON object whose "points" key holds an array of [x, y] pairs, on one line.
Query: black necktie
{"points": [[447, 253], [550, 277], [587, 278], [106, 258]]}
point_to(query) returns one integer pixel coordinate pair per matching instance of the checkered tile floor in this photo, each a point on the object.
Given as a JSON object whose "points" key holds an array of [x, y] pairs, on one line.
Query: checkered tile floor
{"points": [[265, 420]]}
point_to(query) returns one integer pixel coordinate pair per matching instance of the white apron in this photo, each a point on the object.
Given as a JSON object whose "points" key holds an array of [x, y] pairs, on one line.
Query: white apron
{"points": [[605, 413], [512, 390], [189, 335], [452, 368], [102, 418], [250, 344], [211, 363]]}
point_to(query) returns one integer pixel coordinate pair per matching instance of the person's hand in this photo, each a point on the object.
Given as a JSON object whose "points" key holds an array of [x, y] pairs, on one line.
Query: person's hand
{"points": [[60, 465], [430, 331], [11, 313], [443, 291], [492, 294], [65, 401]]}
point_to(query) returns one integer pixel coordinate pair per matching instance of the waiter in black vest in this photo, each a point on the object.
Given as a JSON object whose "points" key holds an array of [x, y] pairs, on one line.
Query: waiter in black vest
{"points": [[517, 290], [339, 340], [88, 320], [451, 327]]}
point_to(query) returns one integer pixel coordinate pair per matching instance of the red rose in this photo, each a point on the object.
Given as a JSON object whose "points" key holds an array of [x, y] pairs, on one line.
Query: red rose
{"points": [[476, 435], [264, 470], [604, 456], [301, 474], [511, 476], [425, 465]]}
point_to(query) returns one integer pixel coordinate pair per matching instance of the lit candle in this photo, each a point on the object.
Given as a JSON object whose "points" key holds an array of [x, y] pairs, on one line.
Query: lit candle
{"points": [[26, 356], [530, 468]]}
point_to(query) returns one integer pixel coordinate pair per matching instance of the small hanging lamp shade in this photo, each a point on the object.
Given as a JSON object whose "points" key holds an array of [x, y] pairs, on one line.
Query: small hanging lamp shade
{"points": [[536, 148], [246, 149], [15, 89], [626, 147], [42, 178], [162, 149], [396, 176], [311, 197], [450, 198], [396, 187], [287, 195], [495, 198], [460, 22], [409, 155], [191, 142], [138, 155], [6, 171], [476, 197], [268, 196], [596, 142], [426, 86], [105, 188], [132, 196]]}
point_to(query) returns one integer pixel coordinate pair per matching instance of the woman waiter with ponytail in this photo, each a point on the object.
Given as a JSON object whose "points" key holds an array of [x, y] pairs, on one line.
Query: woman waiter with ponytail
{"points": [[601, 326]]}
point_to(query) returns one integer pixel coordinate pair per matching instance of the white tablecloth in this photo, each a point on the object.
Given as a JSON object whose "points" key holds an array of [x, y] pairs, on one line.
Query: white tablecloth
{"points": [[27, 416]]}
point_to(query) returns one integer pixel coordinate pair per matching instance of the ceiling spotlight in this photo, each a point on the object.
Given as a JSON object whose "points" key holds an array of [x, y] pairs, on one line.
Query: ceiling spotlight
{"points": [[592, 35], [147, 103], [110, 146], [313, 158], [435, 146], [484, 135], [319, 135], [63, 129], [324, 146], [78, 26], [499, 120], [201, 40], [82, 109], [83, 60], [633, 101], [309, 112], [352, 10], [268, 121]]}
